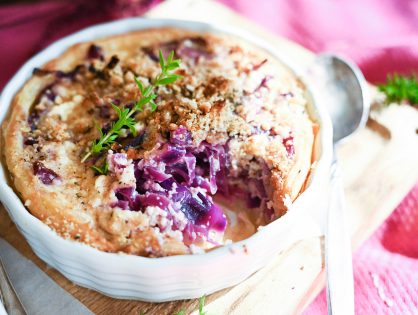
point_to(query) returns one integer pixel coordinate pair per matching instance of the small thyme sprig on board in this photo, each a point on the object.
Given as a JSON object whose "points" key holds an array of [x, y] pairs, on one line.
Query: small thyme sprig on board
{"points": [[201, 306], [125, 115], [400, 88]]}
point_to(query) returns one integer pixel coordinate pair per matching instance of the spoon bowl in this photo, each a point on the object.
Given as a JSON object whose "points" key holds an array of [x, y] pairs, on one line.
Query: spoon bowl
{"points": [[346, 98]]}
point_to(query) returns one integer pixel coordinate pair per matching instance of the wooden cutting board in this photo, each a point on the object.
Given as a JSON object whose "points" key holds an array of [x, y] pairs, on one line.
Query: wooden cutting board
{"points": [[379, 166]]}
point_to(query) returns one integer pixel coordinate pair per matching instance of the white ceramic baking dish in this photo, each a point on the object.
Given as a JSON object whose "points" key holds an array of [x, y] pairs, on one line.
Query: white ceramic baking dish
{"points": [[176, 277]]}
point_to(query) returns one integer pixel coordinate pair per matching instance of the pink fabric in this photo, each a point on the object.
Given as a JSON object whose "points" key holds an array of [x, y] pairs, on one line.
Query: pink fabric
{"points": [[380, 35]]}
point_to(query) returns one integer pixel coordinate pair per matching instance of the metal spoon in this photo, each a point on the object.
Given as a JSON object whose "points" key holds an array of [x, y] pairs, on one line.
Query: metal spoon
{"points": [[344, 92]]}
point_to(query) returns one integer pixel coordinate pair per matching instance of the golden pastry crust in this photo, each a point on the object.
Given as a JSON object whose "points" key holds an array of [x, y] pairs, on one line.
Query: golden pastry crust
{"points": [[232, 94]]}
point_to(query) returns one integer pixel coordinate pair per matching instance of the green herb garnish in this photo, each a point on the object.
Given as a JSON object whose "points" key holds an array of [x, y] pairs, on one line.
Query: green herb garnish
{"points": [[201, 305], [125, 115], [400, 88], [102, 170]]}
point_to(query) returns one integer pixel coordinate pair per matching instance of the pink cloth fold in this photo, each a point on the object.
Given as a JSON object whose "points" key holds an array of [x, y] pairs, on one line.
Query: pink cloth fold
{"points": [[381, 36]]}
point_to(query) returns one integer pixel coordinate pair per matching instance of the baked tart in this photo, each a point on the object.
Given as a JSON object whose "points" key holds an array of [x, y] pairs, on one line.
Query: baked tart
{"points": [[211, 147]]}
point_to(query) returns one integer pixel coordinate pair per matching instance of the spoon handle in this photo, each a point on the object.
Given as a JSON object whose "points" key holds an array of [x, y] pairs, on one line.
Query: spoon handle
{"points": [[339, 268]]}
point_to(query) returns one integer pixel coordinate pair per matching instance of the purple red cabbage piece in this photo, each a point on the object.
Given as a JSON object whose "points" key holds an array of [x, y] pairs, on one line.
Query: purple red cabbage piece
{"points": [[263, 83], [195, 48], [183, 177], [171, 154], [33, 119], [289, 145], [190, 48], [36, 114], [60, 74], [125, 198], [170, 181], [95, 52], [45, 175]]}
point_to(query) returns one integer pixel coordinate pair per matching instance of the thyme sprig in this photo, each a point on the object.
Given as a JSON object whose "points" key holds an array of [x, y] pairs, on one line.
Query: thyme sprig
{"points": [[201, 306], [126, 116], [400, 88]]}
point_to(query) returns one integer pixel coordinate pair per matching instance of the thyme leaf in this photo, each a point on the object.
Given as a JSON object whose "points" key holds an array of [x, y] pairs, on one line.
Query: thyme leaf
{"points": [[201, 305], [102, 170]]}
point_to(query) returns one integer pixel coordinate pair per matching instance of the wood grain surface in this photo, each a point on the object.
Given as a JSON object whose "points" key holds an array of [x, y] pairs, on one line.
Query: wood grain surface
{"points": [[379, 168]]}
